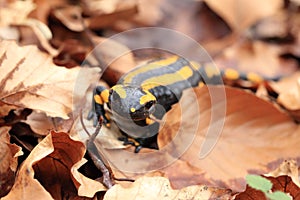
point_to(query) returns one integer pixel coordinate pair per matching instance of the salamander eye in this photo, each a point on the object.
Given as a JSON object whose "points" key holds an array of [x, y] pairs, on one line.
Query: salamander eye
{"points": [[149, 104]]}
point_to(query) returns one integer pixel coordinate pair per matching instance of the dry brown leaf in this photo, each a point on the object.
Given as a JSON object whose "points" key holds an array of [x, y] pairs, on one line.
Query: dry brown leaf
{"points": [[242, 14], [256, 56], [149, 12], [107, 16], [159, 188], [8, 161], [255, 133], [118, 57], [29, 79], [288, 90], [289, 168], [40, 123], [284, 178], [15, 12], [25, 179], [51, 168]]}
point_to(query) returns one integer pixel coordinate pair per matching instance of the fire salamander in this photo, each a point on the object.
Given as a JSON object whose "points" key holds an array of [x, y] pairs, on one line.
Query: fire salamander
{"points": [[146, 93]]}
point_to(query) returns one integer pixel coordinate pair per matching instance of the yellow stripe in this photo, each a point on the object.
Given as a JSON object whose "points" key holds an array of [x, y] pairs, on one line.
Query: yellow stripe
{"points": [[167, 79], [147, 98], [120, 91], [153, 65]]}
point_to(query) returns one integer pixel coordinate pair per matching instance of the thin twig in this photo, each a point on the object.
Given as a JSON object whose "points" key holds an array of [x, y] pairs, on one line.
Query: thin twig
{"points": [[97, 159], [83, 125]]}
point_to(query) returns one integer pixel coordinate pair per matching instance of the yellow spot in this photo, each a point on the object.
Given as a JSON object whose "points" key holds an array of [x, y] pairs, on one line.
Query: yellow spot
{"points": [[132, 109], [107, 125], [211, 71], [195, 65], [168, 79], [149, 121], [185, 72], [98, 99], [201, 84], [120, 91], [136, 143], [255, 78], [231, 74], [104, 95], [150, 66], [147, 97]]}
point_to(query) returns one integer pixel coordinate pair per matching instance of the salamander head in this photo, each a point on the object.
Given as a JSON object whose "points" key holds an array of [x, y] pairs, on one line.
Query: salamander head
{"points": [[134, 102]]}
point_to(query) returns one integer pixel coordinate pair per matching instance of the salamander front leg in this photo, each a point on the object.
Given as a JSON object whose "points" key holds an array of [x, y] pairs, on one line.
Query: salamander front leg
{"points": [[100, 96], [140, 143]]}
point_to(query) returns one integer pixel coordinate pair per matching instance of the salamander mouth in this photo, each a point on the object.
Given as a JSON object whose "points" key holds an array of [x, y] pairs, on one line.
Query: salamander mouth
{"points": [[142, 115]]}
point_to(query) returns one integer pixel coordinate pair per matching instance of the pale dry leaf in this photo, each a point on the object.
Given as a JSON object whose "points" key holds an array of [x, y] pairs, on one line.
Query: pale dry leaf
{"points": [[8, 161], [26, 186], [29, 79], [255, 56], [71, 17], [40, 123], [57, 155], [289, 168], [159, 188], [288, 89], [87, 187], [116, 57], [255, 133], [149, 12], [241, 14], [102, 6], [108, 16], [15, 12]]}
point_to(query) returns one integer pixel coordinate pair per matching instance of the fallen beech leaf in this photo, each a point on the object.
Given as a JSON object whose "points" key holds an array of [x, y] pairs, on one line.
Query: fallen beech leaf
{"points": [[25, 178], [149, 12], [289, 168], [286, 185], [40, 123], [15, 12], [282, 180], [237, 15], [120, 11], [189, 175], [288, 90], [8, 161], [51, 168], [29, 79], [254, 134], [120, 60], [159, 188], [86, 186], [71, 17], [254, 56]]}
